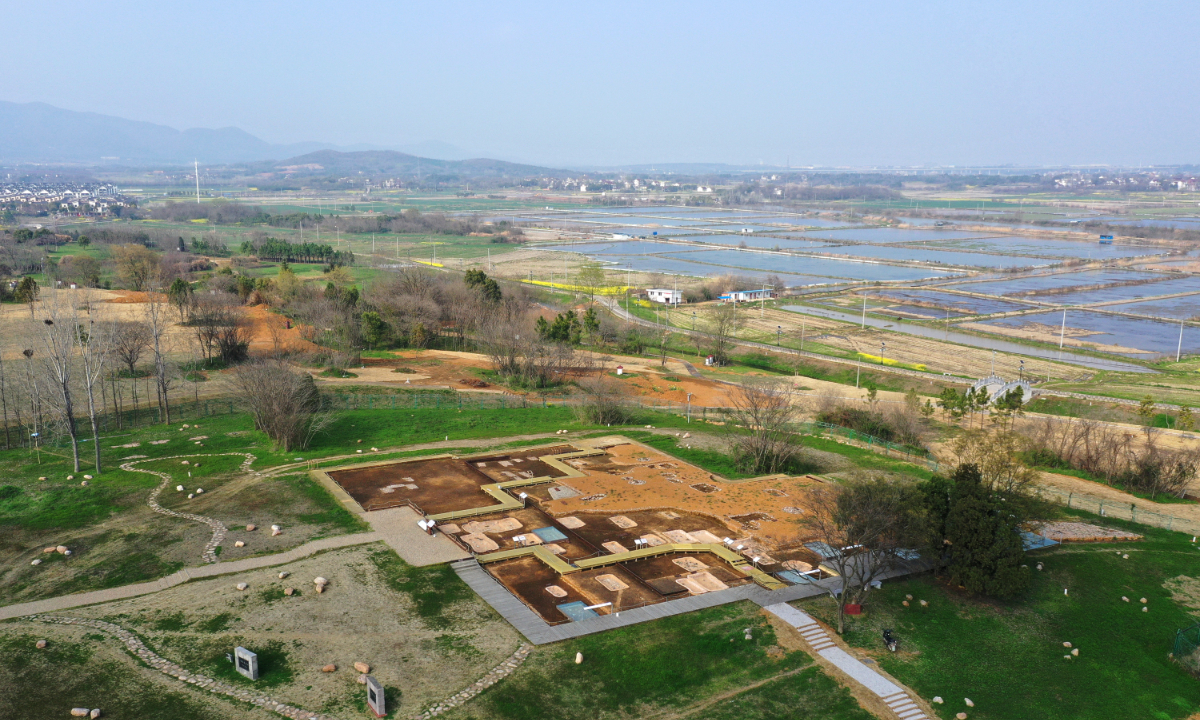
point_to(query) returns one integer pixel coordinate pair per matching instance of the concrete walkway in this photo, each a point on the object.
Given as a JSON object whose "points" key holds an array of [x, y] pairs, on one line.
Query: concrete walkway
{"points": [[540, 632], [894, 696], [398, 528]]}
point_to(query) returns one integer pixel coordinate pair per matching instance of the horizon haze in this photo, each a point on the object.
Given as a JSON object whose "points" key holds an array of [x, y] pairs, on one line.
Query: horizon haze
{"points": [[779, 84]]}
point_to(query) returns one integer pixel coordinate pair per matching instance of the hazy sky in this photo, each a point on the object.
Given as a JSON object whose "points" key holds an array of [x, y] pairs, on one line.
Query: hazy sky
{"points": [[826, 83]]}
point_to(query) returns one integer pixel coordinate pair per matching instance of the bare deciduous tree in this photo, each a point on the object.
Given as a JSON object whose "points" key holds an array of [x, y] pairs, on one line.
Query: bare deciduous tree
{"points": [[285, 403], [93, 338], [59, 335], [130, 340], [156, 319], [722, 324], [869, 528], [605, 402], [763, 414], [4, 400]]}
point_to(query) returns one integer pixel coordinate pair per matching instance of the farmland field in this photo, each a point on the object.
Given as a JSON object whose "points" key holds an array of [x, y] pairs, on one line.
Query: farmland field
{"points": [[1036, 283], [962, 303], [1147, 336], [909, 253], [1181, 308]]}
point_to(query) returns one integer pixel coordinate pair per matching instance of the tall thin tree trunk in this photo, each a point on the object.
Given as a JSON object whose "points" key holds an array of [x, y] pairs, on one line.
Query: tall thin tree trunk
{"points": [[91, 395], [4, 403], [72, 428]]}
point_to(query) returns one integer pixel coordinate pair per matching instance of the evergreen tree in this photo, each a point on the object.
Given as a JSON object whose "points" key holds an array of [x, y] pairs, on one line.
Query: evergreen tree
{"points": [[982, 535], [374, 329]]}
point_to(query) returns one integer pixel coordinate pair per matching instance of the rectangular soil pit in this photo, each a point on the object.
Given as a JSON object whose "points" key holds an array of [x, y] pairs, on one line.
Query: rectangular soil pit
{"points": [[662, 567], [531, 519], [598, 584], [528, 578], [751, 520], [442, 485], [524, 463], [597, 529]]}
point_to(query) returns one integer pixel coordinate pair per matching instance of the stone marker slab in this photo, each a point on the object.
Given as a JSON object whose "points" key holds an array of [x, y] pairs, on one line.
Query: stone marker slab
{"points": [[245, 662], [375, 698]]}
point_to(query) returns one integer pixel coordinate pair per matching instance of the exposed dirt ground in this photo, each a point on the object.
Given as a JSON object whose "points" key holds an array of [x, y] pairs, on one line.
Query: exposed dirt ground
{"points": [[633, 478], [628, 493]]}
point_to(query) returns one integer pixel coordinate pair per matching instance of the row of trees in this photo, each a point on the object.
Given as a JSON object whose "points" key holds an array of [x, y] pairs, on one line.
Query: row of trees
{"points": [[972, 402], [72, 348], [275, 250], [1111, 454]]}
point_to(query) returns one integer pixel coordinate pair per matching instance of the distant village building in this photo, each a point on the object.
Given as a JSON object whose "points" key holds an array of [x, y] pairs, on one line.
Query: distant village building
{"points": [[665, 296], [746, 295]]}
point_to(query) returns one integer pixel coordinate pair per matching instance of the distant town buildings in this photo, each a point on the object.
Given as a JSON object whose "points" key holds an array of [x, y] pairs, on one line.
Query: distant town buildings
{"points": [[72, 198]]}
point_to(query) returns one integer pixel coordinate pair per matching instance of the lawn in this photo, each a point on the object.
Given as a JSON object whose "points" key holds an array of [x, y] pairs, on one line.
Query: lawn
{"points": [[89, 672], [1008, 656], [696, 665]]}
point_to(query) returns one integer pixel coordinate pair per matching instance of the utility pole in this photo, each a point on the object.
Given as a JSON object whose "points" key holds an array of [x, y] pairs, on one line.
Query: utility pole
{"points": [[1062, 333], [864, 317], [1179, 347], [197, 163]]}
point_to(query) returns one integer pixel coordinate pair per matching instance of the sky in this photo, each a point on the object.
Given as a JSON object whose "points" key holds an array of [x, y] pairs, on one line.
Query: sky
{"points": [[571, 84]]}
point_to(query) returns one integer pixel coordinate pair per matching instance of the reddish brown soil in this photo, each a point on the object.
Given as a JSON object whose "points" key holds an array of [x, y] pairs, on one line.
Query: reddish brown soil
{"points": [[575, 547], [665, 567], [667, 485], [442, 485], [637, 594], [599, 529]]}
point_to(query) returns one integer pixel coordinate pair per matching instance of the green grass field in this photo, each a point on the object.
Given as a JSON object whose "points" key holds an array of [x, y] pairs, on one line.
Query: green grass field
{"points": [[89, 672], [696, 665], [1008, 656]]}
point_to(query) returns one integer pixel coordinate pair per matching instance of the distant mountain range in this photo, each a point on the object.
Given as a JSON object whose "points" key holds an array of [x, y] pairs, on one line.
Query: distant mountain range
{"points": [[397, 164], [41, 133]]}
